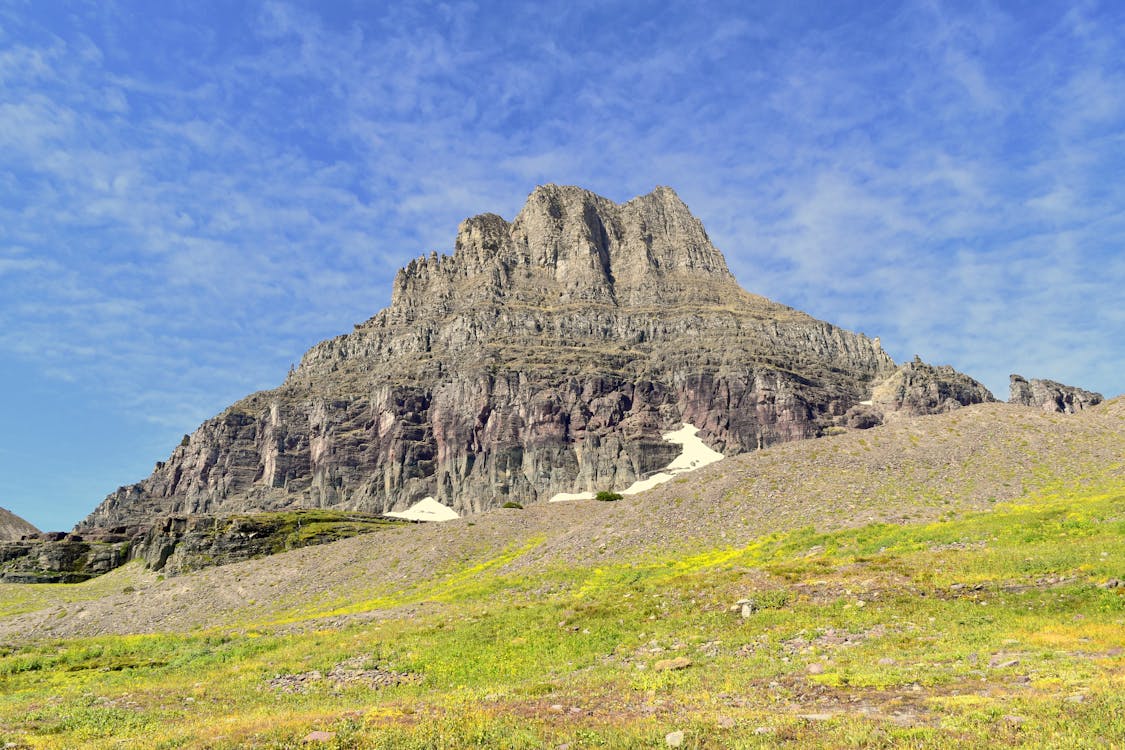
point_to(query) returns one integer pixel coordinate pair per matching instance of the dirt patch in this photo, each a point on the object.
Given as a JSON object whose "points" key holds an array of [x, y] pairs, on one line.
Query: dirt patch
{"points": [[348, 673]]}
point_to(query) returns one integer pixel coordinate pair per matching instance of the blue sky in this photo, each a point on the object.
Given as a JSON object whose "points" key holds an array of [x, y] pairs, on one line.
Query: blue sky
{"points": [[193, 193]]}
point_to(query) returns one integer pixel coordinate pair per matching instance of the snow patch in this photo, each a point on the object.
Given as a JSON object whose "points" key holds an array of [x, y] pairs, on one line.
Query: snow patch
{"points": [[426, 509], [564, 496], [694, 455]]}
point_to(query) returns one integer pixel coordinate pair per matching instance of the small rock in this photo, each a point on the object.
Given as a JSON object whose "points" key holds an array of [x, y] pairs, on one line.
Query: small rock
{"points": [[748, 610], [1112, 583], [815, 668], [319, 736], [762, 730], [674, 739], [726, 722], [1015, 720], [886, 661], [557, 708], [996, 663], [1076, 698], [669, 665]]}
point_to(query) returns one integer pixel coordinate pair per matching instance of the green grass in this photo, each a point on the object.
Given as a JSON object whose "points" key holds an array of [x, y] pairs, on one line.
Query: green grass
{"points": [[286, 530], [16, 598], [989, 629]]}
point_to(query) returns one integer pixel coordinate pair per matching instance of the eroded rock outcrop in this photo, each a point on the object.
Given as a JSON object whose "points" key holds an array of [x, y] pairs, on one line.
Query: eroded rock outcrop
{"points": [[58, 558], [180, 544], [918, 388], [547, 354], [1050, 396]]}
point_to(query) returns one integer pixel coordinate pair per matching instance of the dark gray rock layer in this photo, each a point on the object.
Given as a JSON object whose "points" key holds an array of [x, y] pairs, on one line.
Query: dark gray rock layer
{"points": [[58, 558]]}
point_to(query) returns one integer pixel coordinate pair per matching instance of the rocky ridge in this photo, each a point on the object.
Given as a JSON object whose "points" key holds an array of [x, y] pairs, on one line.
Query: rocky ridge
{"points": [[1050, 396], [545, 355]]}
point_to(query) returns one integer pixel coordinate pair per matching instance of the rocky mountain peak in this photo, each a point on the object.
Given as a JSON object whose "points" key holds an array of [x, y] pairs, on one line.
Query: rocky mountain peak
{"points": [[570, 245], [546, 356]]}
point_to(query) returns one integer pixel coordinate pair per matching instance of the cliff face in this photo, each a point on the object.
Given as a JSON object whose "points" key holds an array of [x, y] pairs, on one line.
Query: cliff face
{"points": [[546, 355], [1050, 396]]}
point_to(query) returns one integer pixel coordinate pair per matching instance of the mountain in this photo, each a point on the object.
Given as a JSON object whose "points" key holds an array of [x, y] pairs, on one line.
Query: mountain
{"points": [[547, 355], [12, 527]]}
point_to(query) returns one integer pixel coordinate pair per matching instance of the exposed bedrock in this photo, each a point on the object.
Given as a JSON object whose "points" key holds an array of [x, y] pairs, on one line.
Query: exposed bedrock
{"points": [[1050, 396], [547, 354], [918, 388]]}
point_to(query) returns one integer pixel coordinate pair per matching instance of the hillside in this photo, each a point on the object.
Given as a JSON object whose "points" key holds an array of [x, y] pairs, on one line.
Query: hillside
{"points": [[911, 471], [949, 580], [12, 527]]}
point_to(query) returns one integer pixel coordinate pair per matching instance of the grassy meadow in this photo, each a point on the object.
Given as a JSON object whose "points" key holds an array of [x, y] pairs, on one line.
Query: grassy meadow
{"points": [[1001, 627]]}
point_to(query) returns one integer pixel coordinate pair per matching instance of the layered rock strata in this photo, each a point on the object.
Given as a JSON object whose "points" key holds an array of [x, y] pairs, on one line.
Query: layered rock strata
{"points": [[180, 544], [58, 558], [545, 355], [1050, 396]]}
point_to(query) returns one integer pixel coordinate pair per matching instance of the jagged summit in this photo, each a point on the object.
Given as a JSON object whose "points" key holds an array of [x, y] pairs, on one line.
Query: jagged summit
{"points": [[568, 245], [546, 355]]}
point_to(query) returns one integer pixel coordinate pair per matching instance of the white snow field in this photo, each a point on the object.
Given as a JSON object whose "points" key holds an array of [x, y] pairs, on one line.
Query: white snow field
{"points": [[694, 455]]}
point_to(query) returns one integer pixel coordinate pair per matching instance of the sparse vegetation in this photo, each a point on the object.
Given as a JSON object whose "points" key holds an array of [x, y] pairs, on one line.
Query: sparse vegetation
{"points": [[975, 600], [607, 496], [1000, 627]]}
